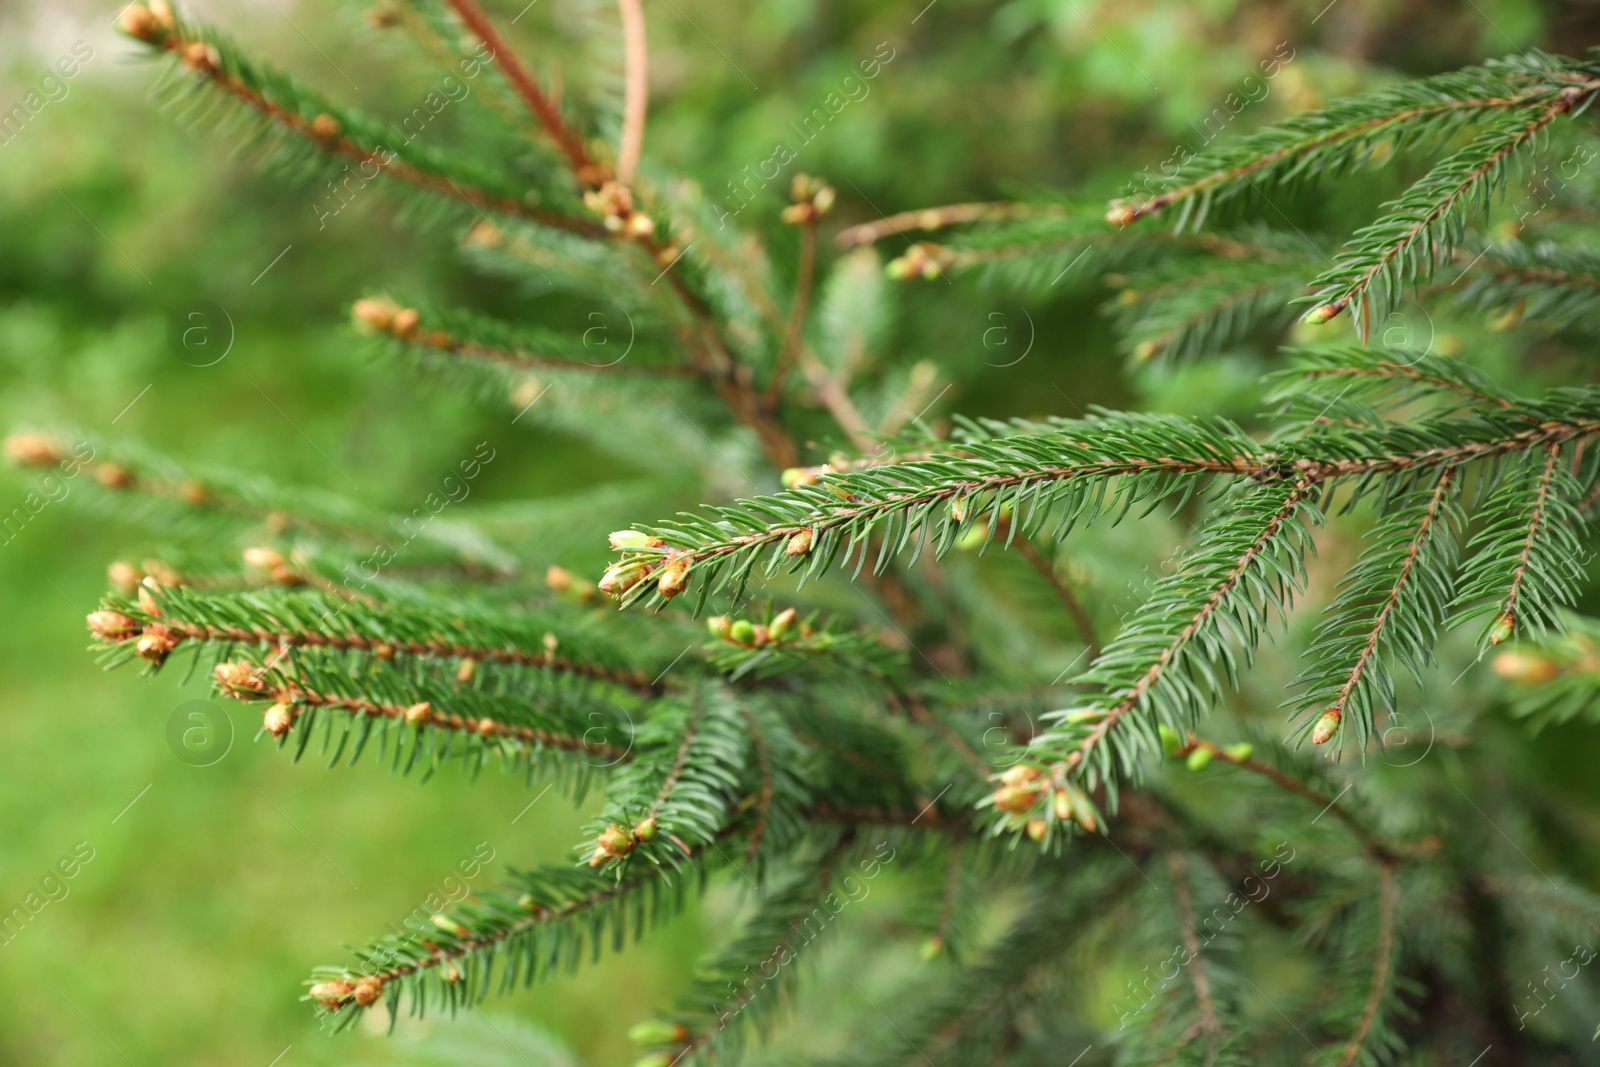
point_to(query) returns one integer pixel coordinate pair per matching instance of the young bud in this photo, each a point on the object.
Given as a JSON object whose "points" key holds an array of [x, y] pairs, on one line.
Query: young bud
{"points": [[156, 643], [1327, 726], [1084, 715], [139, 22], [1016, 799], [277, 719], [448, 925], [1240, 752], [1037, 828], [1120, 214], [193, 493], [629, 540], [237, 677], [720, 626], [468, 668], [32, 450], [163, 12], [405, 323], [263, 558], [325, 127], [558, 578], [959, 507], [1199, 759], [417, 714], [112, 625], [800, 543], [658, 1033], [201, 56], [528, 904], [1021, 774], [1145, 351], [639, 225], [487, 727], [645, 829], [368, 990], [1502, 629], [1171, 743], [1525, 668], [621, 577], [332, 995], [615, 841], [148, 588], [656, 1059], [781, 626], [1325, 313], [794, 477], [1061, 804], [674, 576], [113, 476], [374, 315], [743, 633], [124, 576]]}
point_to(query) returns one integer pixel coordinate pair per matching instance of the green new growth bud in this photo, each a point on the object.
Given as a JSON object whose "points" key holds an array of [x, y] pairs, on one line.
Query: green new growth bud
{"points": [[1037, 828], [1323, 314], [1084, 715], [800, 543], [656, 1059], [931, 949], [720, 626], [1502, 629], [645, 829], [1199, 759], [781, 626], [1145, 351], [959, 508], [674, 576], [626, 540], [1171, 743], [621, 577], [527, 903], [655, 1032], [1240, 752], [794, 477], [448, 925], [743, 633], [1326, 726]]}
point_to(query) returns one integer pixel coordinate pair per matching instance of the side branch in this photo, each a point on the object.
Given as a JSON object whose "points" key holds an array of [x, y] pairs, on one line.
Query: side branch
{"points": [[589, 173]]}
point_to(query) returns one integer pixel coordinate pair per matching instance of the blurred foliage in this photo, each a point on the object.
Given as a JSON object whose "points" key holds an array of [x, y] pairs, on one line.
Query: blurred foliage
{"points": [[115, 218]]}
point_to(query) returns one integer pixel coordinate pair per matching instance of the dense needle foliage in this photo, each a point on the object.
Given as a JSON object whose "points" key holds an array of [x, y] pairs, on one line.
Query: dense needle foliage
{"points": [[822, 664]]}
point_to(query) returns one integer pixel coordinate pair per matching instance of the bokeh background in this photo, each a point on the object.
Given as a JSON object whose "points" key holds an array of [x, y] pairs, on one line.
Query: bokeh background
{"points": [[213, 889]]}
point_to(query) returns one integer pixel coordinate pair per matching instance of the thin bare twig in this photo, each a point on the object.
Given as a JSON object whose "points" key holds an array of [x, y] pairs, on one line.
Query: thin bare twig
{"points": [[636, 88]]}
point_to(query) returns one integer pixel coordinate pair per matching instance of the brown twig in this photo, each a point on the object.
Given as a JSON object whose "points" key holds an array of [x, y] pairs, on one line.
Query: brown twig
{"points": [[1380, 970], [1178, 871], [1064, 592], [587, 171], [934, 218], [1552, 456], [636, 92]]}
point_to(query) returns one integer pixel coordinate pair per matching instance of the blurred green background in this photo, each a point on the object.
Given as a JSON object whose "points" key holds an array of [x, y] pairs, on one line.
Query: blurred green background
{"points": [[212, 890]]}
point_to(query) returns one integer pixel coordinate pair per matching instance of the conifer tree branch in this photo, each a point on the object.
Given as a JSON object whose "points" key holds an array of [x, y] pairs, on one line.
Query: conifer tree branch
{"points": [[1175, 649], [1386, 253], [1376, 846], [764, 793], [935, 218], [1383, 962], [407, 326], [1178, 873], [327, 134], [1064, 592], [1508, 607], [242, 681], [172, 615], [636, 96], [588, 172]]}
